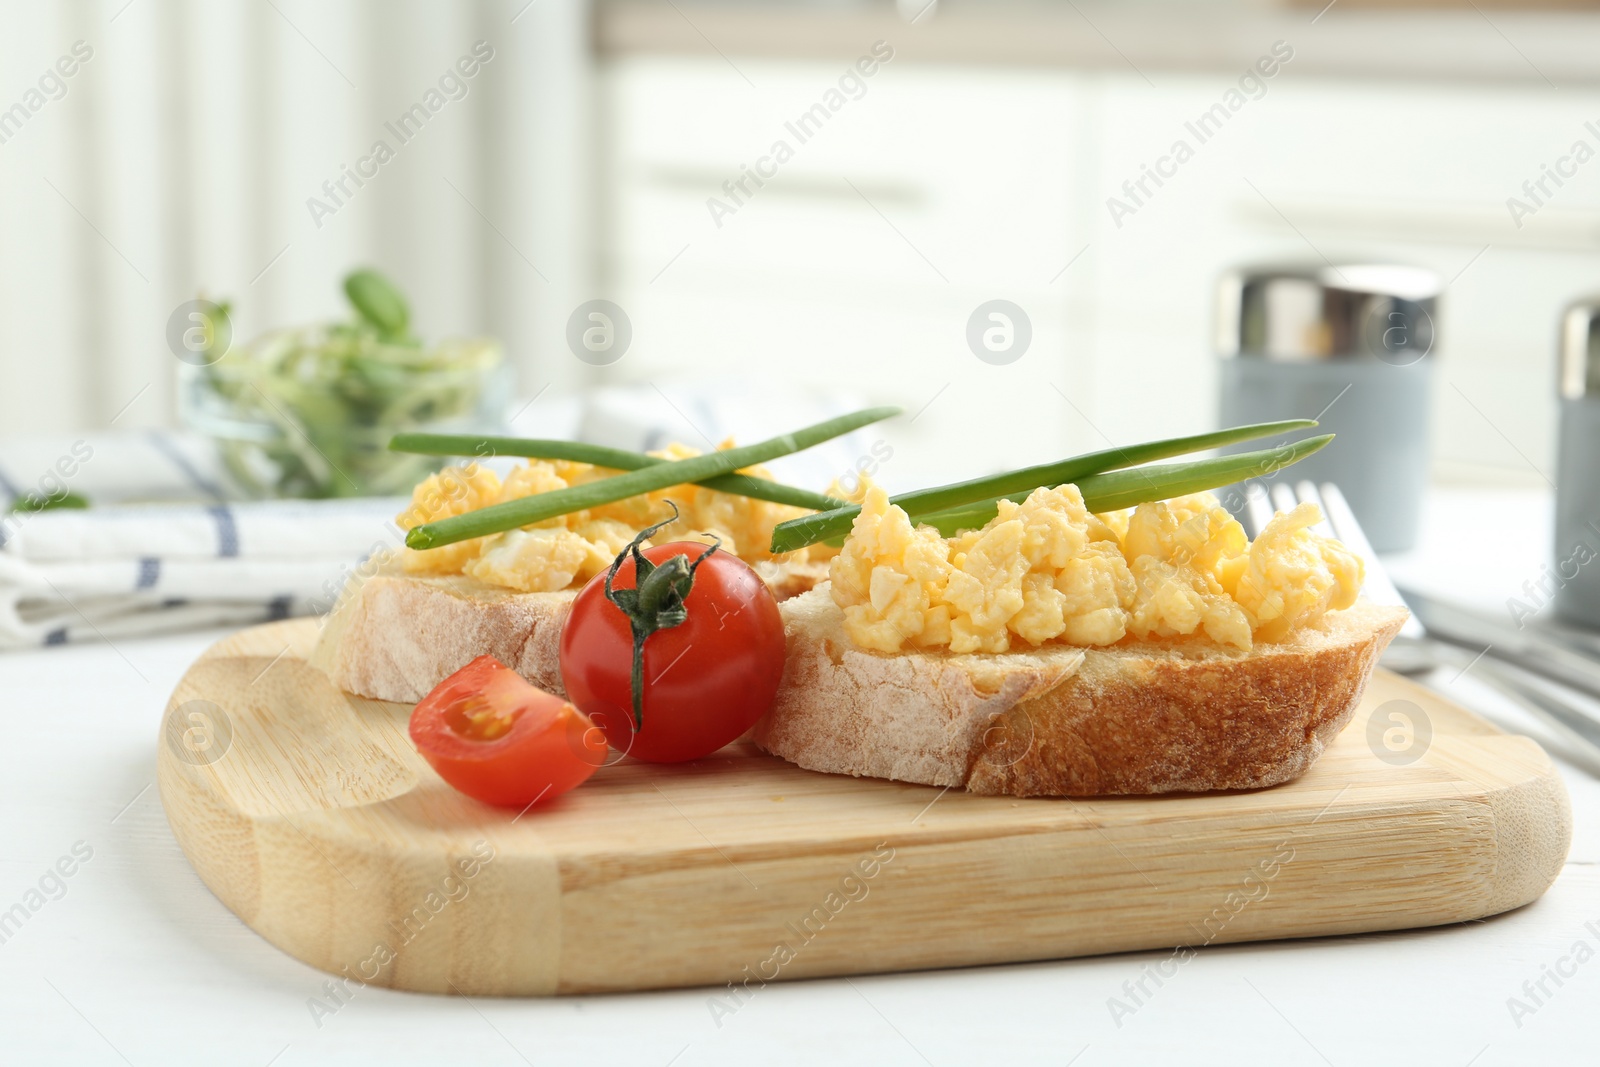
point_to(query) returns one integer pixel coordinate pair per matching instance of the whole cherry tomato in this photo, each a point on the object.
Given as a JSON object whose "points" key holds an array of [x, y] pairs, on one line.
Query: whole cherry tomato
{"points": [[502, 740], [678, 668]]}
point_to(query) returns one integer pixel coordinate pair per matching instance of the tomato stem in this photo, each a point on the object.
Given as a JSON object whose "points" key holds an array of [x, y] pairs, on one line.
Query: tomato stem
{"points": [[656, 602]]}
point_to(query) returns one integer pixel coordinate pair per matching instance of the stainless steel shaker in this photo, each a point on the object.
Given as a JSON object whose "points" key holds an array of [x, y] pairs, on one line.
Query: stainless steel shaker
{"points": [[1575, 571], [1352, 345]]}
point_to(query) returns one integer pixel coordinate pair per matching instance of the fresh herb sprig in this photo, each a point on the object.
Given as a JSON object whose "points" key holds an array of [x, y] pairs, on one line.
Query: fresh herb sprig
{"points": [[834, 524], [438, 444], [498, 518], [1119, 489], [32, 502], [380, 305]]}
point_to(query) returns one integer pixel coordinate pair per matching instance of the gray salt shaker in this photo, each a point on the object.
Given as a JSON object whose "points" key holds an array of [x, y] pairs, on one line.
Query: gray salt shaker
{"points": [[1576, 567], [1352, 345]]}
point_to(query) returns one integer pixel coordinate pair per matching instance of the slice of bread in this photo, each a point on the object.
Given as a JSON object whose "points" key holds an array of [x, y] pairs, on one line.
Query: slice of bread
{"points": [[394, 636], [1146, 717]]}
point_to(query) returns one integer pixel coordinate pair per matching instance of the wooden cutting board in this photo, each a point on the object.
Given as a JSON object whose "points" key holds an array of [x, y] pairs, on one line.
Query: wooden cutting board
{"points": [[309, 814]]}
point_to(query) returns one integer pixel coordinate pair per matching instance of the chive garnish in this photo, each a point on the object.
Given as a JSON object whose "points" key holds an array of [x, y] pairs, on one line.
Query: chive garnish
{"points": [[498, 518], [441, 444], [1114, 490], [834, 524]]}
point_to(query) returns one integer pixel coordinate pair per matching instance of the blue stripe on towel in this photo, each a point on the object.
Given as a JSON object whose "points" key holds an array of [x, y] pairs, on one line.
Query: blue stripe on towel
{"points": [[278, 607], [164, 445], [8, 487], [227, 531], [56, 637], [149, 573]]}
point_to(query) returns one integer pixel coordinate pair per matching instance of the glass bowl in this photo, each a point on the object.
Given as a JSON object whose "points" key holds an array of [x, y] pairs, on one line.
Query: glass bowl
{"points": [[308, 412]]}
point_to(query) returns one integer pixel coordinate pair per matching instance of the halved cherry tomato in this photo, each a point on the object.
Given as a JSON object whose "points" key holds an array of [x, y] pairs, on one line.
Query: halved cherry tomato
{"points": [[502, 740], [706, 680]]}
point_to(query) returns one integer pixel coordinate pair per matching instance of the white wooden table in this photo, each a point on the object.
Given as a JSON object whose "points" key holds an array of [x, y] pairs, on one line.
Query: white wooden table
{"points": [[131, 960]]}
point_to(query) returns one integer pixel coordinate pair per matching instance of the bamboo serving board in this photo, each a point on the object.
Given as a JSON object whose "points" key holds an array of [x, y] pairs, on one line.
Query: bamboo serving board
{"points": [[309, 814]]}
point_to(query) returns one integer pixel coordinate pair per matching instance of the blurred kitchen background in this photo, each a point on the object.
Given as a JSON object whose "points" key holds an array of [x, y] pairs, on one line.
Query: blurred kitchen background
{"points": [[198, 149], [975, 165]]}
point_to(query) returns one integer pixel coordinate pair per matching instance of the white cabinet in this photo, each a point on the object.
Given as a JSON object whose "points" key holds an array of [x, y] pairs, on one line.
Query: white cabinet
{"points": [[859, 262]]}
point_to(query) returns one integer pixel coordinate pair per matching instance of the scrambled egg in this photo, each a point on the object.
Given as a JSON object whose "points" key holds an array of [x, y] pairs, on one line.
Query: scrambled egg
{"points": [[453, 491], [558, 552], [546, 558], [1049, 570], [1292, 576]]}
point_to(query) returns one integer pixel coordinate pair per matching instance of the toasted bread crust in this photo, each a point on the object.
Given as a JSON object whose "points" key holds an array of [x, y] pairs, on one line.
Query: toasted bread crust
{"points": [[395, 636], [1182, 716]]}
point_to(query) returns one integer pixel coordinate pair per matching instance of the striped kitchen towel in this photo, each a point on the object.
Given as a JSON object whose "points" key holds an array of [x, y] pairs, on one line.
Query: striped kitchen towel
{"points": [[125, 570], [115, 467]]}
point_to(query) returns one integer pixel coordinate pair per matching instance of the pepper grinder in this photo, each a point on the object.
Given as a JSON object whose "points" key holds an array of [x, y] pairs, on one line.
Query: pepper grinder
{"points": [[1353, 346], [1577, 529]]}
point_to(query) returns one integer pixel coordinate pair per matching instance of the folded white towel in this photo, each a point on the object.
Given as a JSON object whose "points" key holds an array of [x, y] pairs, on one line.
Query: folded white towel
{"points": [[163, 548], [114, 467], [287, 529], [113, 618], [132, 569]]}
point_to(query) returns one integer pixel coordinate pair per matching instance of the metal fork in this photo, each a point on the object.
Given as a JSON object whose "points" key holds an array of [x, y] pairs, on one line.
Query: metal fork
{"points": [[1413, 651]]}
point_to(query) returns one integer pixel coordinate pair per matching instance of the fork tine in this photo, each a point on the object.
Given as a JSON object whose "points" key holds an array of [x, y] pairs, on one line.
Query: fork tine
{"points": [[1377, 587], [1307, 494], [1283, 497], [1257, 508]]}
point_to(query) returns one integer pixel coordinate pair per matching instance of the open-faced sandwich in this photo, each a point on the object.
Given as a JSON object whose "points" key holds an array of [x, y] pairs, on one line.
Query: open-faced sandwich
{"points": [[1093, 626], [1055, 651], [425, 612]]}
